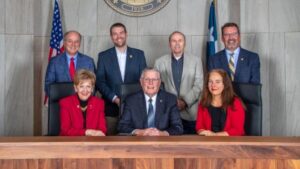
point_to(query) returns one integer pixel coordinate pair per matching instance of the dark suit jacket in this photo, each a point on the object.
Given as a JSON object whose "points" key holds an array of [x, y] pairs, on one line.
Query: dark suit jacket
{"points": [[109, 77], [166, 116], [247, 70], [58, 69], [71, 118]]}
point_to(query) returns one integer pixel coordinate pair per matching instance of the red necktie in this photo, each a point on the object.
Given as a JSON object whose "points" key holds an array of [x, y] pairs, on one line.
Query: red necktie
{"points": [[72, 68]]}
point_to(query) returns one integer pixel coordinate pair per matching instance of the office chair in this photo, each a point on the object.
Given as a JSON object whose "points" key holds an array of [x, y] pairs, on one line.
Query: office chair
{"points": [[251, 96], [57, 91]]}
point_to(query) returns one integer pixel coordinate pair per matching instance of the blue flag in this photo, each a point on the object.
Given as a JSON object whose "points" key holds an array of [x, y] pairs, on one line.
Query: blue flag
{"points": [[212, 44]]}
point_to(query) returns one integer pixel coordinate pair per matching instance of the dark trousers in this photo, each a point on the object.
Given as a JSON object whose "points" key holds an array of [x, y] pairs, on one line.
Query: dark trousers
{"points": [[189, 127]]}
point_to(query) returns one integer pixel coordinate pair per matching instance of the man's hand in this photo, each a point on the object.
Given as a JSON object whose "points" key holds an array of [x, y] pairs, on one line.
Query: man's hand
{"points": [[181, 104], [117, 101], [150, 132]]}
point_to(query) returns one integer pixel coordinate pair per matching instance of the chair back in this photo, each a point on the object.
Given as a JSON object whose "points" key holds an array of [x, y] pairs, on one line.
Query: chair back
{"points": [[251, 96], [127, 89], [57, 92]]}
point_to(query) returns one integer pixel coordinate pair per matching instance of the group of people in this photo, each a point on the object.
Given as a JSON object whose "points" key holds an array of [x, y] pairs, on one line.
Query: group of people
{"points": [[189, 103]]}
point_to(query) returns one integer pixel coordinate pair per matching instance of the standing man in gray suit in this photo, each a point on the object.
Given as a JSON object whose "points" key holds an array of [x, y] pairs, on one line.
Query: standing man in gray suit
{"points": [[182, 75]]}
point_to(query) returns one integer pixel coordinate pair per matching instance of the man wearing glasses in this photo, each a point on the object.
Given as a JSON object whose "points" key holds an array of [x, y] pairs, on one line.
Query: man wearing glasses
{"points": [[242, 65], [150, 112]]}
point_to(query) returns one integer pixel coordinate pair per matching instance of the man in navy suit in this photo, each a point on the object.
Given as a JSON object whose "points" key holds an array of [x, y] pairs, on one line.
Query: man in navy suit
{"points": [[58, 69], [118, 65], [151, 112], [242, 65]]}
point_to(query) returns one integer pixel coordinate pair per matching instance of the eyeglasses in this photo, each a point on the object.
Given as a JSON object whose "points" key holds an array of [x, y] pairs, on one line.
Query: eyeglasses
{"points": [[148, 80], [235, 34]]}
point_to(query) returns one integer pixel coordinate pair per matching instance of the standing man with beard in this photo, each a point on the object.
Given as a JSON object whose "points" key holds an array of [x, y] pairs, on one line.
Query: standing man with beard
{"points": [[241, 65], [116, 66]]}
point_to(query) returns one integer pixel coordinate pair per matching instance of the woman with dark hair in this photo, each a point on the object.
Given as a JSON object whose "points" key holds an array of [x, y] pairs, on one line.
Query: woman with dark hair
{"points": [[220, 111], [82, 114]]}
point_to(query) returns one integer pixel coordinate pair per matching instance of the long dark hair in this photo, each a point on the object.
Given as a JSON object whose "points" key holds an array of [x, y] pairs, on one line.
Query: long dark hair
{"points": [[227, 95]]}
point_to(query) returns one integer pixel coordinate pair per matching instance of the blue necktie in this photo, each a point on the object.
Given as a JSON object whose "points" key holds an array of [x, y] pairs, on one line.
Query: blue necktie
{"points": [[151, 114]]}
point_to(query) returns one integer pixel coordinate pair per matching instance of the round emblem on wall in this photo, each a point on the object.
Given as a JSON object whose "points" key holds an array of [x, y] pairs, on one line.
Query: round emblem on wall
{"points": [[137, 7]]}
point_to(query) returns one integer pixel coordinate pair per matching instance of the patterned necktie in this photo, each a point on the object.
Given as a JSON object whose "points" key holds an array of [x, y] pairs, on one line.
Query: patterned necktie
{"points": [[231, 66], [151, 114], [72, 68]]}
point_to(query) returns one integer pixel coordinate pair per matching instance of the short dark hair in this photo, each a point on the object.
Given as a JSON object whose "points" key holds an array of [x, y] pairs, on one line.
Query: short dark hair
{"points": [[175, 33], [72, 31], [118, 24], [230, 24]]}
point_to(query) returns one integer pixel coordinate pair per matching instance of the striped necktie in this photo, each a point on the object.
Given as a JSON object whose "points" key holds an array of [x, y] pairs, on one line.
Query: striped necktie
{"points": [[231, 66], [151, 114]]}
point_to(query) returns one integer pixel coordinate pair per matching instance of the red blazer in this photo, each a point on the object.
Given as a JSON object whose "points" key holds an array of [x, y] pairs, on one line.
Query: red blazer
{"points": [[71, 118], [235, 119]]}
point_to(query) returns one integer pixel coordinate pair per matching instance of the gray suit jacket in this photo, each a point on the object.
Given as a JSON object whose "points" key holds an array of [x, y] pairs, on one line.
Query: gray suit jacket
{"points": [[191, 82]]}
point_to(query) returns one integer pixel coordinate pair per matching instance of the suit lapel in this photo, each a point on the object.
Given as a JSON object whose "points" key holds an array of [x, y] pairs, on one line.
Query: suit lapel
{"points": [[65, 66], [129, 61], [224, 61], [115, 64], [159, 108], [143, 107], [169, 72], [240, 63]]}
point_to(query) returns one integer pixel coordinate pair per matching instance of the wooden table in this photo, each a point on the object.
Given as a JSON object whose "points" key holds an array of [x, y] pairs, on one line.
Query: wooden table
{"points": [[176, 152]]}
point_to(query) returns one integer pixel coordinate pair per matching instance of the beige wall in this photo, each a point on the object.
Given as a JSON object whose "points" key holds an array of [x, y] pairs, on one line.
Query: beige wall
{"points": [[269, 27]]}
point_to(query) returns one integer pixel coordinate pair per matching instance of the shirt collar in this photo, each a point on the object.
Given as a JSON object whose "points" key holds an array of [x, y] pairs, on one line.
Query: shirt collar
{"points": [[121, 53], [69, 57], [153, 98], [236, 51], [177, 58]]}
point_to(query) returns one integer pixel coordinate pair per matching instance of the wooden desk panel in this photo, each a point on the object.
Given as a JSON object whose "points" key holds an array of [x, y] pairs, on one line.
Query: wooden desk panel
{"points": [[149, 152]]}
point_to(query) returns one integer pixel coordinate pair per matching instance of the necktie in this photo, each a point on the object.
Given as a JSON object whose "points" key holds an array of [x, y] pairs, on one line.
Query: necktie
{"points": [[231, 66], [72, 68], [151, 114]]}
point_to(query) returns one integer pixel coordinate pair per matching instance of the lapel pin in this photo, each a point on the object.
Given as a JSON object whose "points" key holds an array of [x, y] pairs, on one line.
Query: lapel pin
{"points": [[161, 100], [130, 56], [242, 59]]}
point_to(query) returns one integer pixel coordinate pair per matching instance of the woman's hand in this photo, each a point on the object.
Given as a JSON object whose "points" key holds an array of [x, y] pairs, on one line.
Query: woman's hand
{"points": [[92, 132], [206, 133]]}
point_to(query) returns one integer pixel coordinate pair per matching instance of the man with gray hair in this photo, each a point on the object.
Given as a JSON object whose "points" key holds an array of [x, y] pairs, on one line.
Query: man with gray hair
{"points": [[150, 112], [182, 75], [62, 68]]}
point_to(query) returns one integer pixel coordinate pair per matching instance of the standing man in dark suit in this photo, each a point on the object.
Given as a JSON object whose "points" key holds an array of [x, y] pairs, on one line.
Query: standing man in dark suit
{"points": [[242, 65], [62, 68], [117, 65], [151, 112]]}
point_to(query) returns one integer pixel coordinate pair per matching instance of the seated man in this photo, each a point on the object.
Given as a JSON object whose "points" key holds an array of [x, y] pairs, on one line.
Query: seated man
{"points": [[151, 112]]}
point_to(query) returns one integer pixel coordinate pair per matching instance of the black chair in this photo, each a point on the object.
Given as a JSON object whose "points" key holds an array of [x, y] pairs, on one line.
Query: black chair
{"points": [[57, 91], [127, 89], [251, 96]]}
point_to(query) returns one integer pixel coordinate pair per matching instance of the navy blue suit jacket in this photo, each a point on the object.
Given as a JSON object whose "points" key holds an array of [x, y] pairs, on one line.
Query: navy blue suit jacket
{"points": [[247, 70], [109, 77], [167, 116], [58, 68]]}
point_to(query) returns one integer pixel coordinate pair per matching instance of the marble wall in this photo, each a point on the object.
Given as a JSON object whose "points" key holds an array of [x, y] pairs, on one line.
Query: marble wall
{"points": [[269, 27]]}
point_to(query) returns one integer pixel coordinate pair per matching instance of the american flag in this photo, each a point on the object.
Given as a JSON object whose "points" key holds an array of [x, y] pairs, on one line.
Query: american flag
{"points": [[56, 39]]}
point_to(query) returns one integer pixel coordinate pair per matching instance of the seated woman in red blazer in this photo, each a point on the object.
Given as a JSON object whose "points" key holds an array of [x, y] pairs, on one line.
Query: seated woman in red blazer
{"points": [[220, 112], [82, 114]]}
